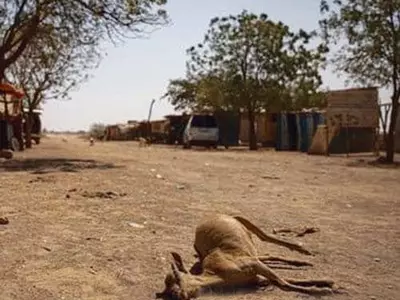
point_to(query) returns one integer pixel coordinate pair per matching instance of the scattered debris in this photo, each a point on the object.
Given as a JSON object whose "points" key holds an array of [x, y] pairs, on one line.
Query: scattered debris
{"points": [[135, 225], [67, 196], [377, 259], [4, 221], [41, 179], [303, 232], [270, 177], [103, 195], [46, 248], [153, 170], [92, 270], [206, 164], [72, 190], [94, 239], [158, 176], [180, 187], [349, 206], [251, 185]]}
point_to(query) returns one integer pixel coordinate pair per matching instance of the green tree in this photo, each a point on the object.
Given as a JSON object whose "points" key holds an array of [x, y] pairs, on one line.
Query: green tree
{"points": [[97, 131], [201, 93], [181, 93], [370, 53], [88, 22], [262, 64]]}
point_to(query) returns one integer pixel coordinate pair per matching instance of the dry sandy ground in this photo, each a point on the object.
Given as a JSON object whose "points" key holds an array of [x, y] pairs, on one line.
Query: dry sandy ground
{"points": [[65, 242]]}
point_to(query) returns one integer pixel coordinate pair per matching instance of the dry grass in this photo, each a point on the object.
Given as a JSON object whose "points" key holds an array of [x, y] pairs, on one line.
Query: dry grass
{"points": [[71, 208]]}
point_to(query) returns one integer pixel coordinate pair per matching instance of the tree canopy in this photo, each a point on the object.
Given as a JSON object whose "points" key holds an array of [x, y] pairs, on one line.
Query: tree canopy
{"points": [[85, 21], [250, 62], [51, 66], [367, 34]]}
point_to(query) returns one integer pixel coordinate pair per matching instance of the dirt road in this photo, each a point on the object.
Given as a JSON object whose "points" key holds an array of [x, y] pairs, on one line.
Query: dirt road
{"points": [[98, 222]]}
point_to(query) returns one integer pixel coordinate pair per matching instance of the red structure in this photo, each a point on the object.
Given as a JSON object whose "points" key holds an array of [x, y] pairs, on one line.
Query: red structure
{"points": [[11, 117]]}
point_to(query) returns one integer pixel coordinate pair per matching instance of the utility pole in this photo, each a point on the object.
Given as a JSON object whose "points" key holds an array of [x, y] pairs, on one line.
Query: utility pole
{"points": [[148, 119]]}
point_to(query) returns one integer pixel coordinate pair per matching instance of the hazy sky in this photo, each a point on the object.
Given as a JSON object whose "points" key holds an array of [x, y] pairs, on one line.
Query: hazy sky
{"points": [[138, 71]]}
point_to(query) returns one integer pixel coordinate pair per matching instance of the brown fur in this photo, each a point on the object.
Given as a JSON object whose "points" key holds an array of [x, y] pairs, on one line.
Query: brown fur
{"points": [[228, 257]]}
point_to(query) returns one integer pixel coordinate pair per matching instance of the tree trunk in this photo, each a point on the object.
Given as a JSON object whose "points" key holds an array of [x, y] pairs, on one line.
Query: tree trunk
{"points": [[252, 129], [390, 138], [28, 129], [2, 68], [2, 79]]}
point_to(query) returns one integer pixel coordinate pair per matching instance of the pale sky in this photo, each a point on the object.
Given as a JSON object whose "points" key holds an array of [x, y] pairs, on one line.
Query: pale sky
{"points": [[138, 71]]}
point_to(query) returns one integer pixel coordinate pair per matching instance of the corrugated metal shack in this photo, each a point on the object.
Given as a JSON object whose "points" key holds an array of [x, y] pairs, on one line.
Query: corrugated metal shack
{"points": [[266, 126], [158, 130], [352, 120], [121, 132], [295, 130], [229, 127]]}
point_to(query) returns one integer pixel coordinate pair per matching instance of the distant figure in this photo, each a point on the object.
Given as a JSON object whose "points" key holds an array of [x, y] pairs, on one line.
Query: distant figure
{"points": [[144, 142], [91, 141]]}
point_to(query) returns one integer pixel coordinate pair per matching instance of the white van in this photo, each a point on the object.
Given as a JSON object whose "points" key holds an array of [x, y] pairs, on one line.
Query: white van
{"points": [[201, 130]]}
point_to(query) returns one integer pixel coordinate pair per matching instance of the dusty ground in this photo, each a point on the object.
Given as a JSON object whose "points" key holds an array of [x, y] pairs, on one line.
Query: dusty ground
{"points": [[65, 242]]}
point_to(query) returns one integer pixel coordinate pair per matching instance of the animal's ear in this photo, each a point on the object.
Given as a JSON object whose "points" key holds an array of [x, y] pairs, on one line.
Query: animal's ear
{"points": [[177, 276], [179, 262]]}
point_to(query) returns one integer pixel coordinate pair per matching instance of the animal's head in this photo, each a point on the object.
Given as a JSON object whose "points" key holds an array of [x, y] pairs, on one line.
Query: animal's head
{"points": [[176, 281]]}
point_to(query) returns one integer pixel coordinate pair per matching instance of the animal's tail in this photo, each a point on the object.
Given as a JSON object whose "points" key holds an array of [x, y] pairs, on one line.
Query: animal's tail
{"points": [[270, 238]]}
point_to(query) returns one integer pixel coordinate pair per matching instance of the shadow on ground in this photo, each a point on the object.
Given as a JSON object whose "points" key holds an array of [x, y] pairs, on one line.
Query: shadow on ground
{"points": [[376, 163], [239, 149], [48, 165]]}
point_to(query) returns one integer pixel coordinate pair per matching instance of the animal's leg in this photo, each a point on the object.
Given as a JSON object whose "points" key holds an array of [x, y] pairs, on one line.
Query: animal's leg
{"points": [[302, 286], [298, 263], [179, 262], [271, 238]]}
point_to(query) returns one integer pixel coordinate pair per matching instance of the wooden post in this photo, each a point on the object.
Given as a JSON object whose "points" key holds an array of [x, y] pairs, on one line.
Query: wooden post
{"points": [[327, 140], [375, 142], [148, 127], [347, 135]]}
